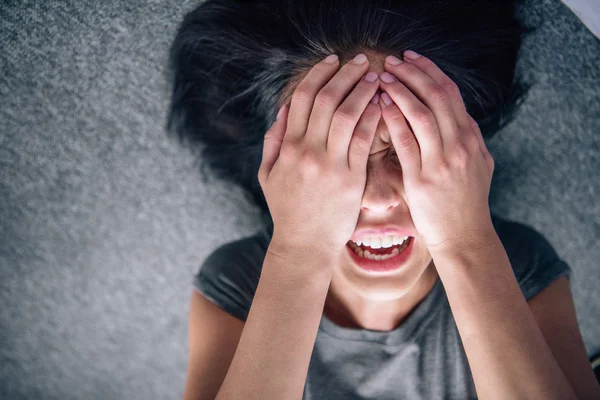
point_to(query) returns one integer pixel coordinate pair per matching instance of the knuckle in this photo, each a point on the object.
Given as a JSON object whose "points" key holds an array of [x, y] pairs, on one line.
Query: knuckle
{"points": [[424, 61], [308, 159], [325, 97], [462, 127], [423, 117], [350, 66], [443, 168], [404, 142], [343, 118], [397, 119], [438, 93], [270, 134], [451, 87], [372, 112], [472, 144], [461, 153], [320, 68], [411, 66], [361, 142], [302, 93]]}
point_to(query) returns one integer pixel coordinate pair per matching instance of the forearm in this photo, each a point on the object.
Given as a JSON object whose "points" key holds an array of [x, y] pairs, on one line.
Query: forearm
{"points": [[273, 354], [506, 350]]}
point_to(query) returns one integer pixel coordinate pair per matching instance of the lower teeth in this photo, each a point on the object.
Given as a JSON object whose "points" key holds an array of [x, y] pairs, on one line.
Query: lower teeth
{"points": [[380, 257]]}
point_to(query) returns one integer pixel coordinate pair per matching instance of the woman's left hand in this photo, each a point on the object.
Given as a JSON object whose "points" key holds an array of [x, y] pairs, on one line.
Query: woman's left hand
{"points": [[446, 167]]}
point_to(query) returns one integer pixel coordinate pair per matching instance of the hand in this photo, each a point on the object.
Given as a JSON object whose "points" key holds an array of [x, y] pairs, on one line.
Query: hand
{"points": [[313, 171], [446, 167]]}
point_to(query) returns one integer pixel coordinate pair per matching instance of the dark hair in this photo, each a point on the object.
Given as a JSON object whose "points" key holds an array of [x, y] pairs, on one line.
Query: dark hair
{"points": [[231, 61]]}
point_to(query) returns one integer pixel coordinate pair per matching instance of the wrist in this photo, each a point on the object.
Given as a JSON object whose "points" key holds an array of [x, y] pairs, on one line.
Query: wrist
{"points": [[469, 242], [297, 253]]}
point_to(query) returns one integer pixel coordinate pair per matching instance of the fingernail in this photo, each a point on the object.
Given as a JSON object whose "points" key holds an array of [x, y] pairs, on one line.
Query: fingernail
{"points": [[331, 59], [375, 99], [359, 59], [411, 55], [387, 100], [393, 60], [280, 112], [387, 78], [371, 76]]}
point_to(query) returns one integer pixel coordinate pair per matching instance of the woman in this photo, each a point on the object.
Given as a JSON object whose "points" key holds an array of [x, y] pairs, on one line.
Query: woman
{"points": [[381, 272]]}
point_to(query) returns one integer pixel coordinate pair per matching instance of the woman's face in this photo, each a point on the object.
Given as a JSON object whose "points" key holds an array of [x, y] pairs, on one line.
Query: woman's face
{"points": [[384, 203]]}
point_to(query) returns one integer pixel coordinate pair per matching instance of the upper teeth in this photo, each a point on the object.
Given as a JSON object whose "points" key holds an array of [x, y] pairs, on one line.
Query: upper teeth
{"points": [[377, 242]]}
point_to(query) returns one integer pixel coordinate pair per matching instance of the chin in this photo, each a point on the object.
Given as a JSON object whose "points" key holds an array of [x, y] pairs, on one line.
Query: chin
{"points": [[383, 291], [377, 294], [380, 288]]}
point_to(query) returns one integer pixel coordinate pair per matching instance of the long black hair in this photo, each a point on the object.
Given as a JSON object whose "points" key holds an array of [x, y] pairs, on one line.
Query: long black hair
{"points": [[231, 61]]}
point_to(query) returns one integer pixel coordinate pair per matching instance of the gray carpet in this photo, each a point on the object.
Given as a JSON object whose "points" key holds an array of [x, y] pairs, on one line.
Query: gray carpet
{"points": [[103, 220]]}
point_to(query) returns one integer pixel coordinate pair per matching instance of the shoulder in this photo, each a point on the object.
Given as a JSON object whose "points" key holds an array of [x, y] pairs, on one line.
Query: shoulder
{"points": [[240, 257], [534, 260], [230, 274]]}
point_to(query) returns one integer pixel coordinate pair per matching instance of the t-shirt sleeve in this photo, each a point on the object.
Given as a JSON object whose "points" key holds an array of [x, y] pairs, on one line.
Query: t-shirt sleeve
{"points": [[534, 260], [228, 277]]}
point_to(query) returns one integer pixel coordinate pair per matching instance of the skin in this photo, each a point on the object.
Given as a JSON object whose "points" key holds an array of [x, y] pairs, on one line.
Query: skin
{"points": [[381, 303], [314, 177]]}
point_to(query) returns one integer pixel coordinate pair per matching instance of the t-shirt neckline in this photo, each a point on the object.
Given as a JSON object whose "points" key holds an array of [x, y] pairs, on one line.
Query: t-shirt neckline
{"points": [[426, 310]]}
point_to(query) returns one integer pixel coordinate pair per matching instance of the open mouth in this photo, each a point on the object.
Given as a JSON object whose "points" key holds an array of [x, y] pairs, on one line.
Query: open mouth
{"points": [[381, 260], [379, 254]]}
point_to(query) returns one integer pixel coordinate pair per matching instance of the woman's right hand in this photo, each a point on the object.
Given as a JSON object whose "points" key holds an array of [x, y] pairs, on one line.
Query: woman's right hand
{"points": [[313, 170]]}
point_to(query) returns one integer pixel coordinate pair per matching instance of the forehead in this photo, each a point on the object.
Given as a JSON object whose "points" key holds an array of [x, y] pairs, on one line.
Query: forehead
{"points": [[376, 62]]}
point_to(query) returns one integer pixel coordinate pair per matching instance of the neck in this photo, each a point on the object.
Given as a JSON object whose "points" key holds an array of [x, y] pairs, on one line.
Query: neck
{"points": [[346, 308]]}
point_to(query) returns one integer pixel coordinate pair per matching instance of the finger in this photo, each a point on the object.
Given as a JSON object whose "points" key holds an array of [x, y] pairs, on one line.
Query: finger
{"points": [[304, 96], [404, 141], [333, 94], [484, 150], [419, 116], [431, 94], [435, 73], [347, 116], [272, 144], [361, 141]]}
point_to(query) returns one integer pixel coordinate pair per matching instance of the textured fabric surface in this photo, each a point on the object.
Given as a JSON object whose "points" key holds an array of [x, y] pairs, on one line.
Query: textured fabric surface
{"points": [[588, 11], [103, 220], [423, 358]]}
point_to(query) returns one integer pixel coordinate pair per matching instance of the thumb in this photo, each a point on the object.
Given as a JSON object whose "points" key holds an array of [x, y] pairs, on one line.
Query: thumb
{"points": [[272, 143]]}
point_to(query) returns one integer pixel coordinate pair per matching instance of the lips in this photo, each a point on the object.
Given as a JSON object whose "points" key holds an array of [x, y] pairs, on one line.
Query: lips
{"points": [[386, 230], [391, 264]]}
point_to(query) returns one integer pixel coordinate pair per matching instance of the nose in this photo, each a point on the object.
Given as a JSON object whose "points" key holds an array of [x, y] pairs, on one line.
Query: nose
{"points": [[381, 194]]}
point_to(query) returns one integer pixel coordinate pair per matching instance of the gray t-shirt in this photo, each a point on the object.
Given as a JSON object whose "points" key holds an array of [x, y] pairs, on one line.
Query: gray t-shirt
{"points": [[421, 359]]}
